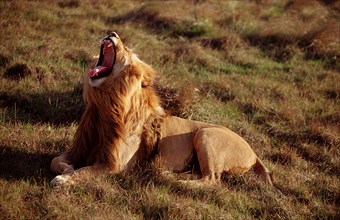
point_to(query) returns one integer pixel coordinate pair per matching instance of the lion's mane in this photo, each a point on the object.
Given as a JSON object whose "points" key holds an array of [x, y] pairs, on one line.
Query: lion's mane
{"points": [[125, 105]]}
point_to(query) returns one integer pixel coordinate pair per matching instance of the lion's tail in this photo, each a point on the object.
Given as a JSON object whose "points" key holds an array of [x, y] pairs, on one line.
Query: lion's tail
{"points": [[263, 172]]}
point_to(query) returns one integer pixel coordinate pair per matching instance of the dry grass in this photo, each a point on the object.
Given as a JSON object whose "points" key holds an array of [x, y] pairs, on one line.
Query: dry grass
{"points": [[268, 70]]}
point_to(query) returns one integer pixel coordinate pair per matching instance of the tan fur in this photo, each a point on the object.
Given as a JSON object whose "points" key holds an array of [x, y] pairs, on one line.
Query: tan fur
{"points": [[217, 148], [123, 124]]}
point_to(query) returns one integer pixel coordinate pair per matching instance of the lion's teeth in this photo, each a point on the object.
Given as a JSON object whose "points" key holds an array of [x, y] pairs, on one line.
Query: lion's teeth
{"points": [[110, 45]]}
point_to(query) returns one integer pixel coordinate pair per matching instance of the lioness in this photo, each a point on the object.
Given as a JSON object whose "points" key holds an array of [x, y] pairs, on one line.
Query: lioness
{"points": [[124, 123]]}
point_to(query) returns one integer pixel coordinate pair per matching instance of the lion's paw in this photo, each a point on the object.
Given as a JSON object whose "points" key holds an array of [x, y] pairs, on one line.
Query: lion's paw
{"points": [[62, 180]]}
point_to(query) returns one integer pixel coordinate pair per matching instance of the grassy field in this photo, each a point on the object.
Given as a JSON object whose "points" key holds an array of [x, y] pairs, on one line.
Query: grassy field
{"points": [[269, 70]]}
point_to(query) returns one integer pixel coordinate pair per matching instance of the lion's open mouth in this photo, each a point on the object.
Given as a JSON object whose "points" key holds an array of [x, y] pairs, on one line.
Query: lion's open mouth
{"points": [[106, 60]]}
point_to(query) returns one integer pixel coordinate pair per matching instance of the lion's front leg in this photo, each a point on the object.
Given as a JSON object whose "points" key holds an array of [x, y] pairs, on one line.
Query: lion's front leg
{"points": [[61, 165], [63, 180], [70, 178]]}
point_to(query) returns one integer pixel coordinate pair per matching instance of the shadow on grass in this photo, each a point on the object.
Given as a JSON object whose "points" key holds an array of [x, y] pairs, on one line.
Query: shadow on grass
{"points": [[54, 108], [18, 164], [283, 48], [65, 108], [160, 24], [49, 107]]}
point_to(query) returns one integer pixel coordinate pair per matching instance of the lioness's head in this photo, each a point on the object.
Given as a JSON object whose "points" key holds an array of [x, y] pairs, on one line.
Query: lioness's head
{"points": [[113, 59]]}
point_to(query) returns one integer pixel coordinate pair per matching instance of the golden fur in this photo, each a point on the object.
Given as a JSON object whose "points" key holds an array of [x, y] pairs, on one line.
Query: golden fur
{"points": [[124, 123]]}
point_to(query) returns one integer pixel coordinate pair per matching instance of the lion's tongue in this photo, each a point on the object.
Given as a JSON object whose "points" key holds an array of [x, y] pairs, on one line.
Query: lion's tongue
{"points": [[97, 71], [106, 64]]}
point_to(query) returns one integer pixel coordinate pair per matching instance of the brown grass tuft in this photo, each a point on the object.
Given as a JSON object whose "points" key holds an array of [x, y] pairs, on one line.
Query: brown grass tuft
{"points": [[177, 101], [231, 40], [146, 15], [219, 90], [333, 94], [170, 99], [4, 60], [326, 42], [282, 158], [80, 57], [69, 4], [18, 71]]}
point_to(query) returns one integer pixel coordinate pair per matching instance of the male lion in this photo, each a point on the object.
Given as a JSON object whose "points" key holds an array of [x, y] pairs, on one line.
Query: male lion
{"points": [[123, 124]]}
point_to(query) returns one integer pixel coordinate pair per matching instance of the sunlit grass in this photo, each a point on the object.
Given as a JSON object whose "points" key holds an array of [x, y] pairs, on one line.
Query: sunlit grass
{"points": [[253, 67]]}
